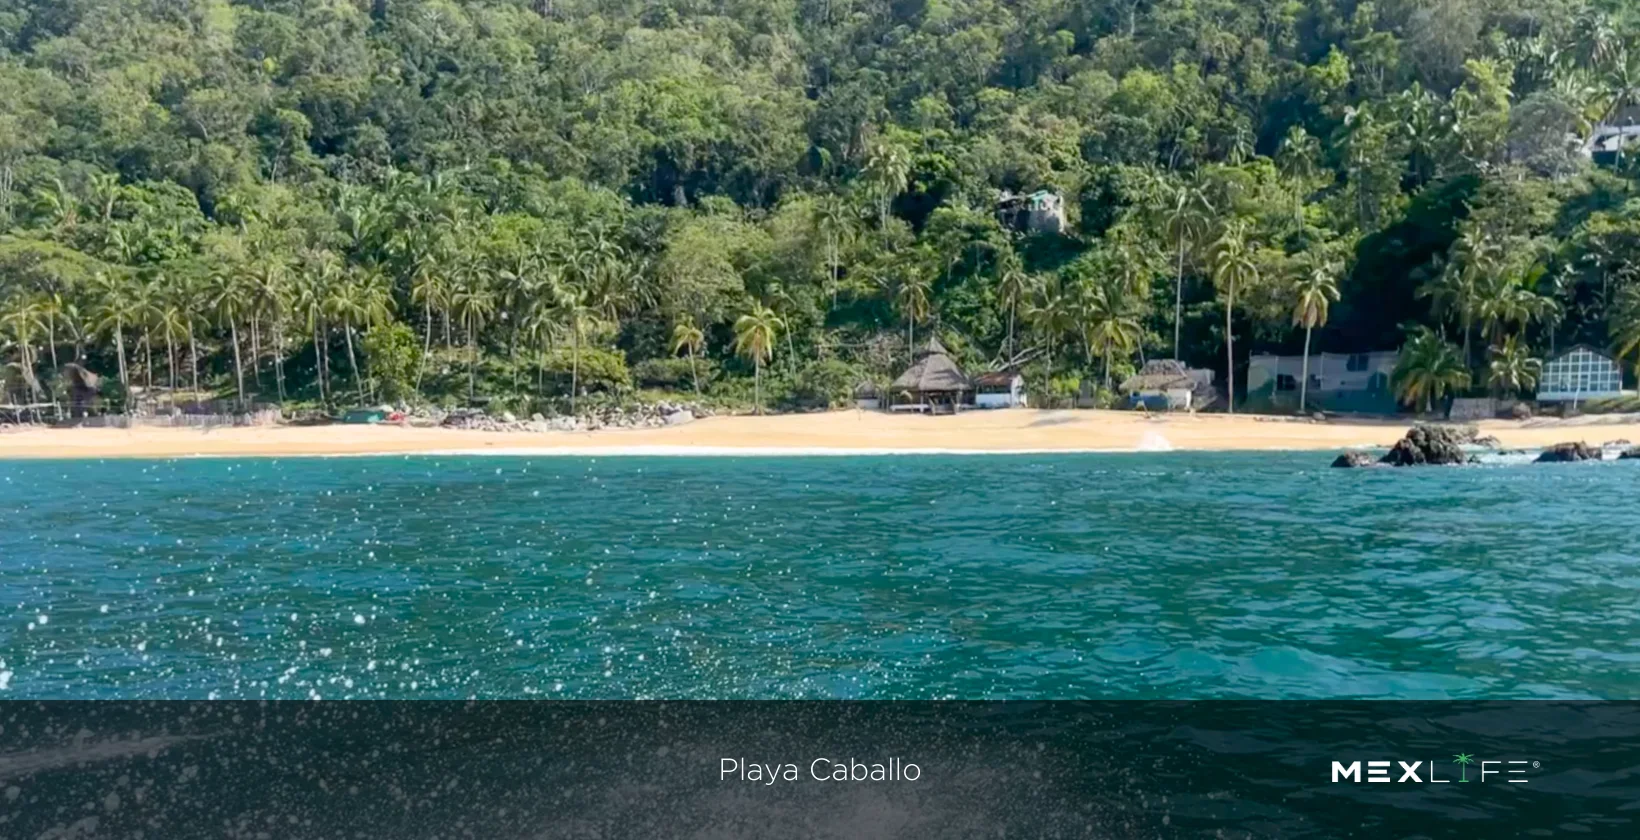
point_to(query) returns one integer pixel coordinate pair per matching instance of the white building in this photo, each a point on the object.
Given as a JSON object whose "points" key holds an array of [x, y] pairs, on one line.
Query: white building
{"points": [[1356, 383], [1580, 373], [1001, 389]]}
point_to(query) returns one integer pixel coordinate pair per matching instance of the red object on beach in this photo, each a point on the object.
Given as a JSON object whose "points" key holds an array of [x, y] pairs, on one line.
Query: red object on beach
{"points": [[396, 417]]}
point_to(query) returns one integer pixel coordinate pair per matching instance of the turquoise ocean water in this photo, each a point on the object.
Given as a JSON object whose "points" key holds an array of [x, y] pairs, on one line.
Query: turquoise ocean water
{"points": [[1179, 575]]}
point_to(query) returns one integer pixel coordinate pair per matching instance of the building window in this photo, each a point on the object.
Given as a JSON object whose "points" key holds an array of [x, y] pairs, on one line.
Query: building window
{"points": [[1356, 363], [1286, 382]]}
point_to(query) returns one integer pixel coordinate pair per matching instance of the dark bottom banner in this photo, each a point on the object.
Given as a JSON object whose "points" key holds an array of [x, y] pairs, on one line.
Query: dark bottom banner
{"points": [[1211, 769]]}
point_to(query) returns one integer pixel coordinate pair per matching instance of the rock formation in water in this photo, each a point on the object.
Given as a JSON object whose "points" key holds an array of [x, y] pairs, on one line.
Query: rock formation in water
{"points": [[1430, 443], [1355, 459], [1630, 454], [1567, 452]]}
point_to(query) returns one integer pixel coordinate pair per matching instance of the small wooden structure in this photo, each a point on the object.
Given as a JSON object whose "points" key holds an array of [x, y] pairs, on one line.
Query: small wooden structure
{"points": [[1042, 211], [933, 383], [999, 389], [1164, 384]]}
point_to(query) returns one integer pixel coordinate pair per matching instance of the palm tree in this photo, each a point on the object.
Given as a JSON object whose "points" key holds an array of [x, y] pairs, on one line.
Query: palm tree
{"points": [[834, 219], [1317, 286], [21, 320], [429, 289], [571, 304], [359, 301], [229, 298], [112, 293], [1456, 289], [1513, 369], [1186, 218], [756, 334], [1012, 285], [1108, 323], [911, 298], [1233, 266], [1050, 315], [886, 175], [1624, 323], [473, 303], [687, 336], [1429, 368]]}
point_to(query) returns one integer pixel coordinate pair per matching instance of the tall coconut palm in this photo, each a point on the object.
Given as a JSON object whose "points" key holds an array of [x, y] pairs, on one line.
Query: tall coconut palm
{"points": [[358, 301], [1512, 370], [834, 219], [887, 174], [1428, 369], [1108, 322], [1186, 220], [577, 315], [1313, 292], [229, 298], [1234, 267], [911, 297], [756, 334], [473, 302], [1456, 289], [1012, 285], [111, 293], [1050, 315], [687, 336], [20, 320]]}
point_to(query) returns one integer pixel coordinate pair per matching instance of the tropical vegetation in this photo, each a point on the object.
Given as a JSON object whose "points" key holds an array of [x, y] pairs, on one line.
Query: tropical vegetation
{"points": [[535, 202]]}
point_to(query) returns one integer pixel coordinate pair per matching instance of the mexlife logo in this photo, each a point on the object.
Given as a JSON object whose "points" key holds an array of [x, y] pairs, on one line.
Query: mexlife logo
{"points": [[1433, 772]]}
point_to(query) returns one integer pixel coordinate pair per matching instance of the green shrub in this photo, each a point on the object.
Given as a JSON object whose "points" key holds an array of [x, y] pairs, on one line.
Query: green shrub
{"points": [[827, 383], [392, 357], [673, 373], [599, 370]]}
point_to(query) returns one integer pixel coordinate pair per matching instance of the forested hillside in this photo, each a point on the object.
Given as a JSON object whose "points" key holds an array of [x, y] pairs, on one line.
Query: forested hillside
{"points": [[352, 201]]}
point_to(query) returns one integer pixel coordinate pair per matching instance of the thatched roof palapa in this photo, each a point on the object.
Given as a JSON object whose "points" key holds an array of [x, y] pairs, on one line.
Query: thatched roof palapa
{"points": [[933, 373], [1159, 375]]}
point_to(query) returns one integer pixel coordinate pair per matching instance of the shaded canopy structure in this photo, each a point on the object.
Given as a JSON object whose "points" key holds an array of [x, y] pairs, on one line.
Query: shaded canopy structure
{"points": [[934, 377], [1159, 375]]}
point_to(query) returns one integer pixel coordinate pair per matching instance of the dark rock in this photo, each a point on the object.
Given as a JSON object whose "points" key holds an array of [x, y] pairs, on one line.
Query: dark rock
{"points": [[1521, 411], [1319, 417], [1630, 454], [1354, 459], [1568, 452], [1430, 443], [1487, 441]]}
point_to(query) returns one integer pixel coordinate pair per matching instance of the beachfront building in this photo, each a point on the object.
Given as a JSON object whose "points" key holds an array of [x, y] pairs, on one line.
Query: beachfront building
{"points": [[1580, 373], [1352, 383], [1166, 384], [999, 389], [934, 383], [867, 396]]}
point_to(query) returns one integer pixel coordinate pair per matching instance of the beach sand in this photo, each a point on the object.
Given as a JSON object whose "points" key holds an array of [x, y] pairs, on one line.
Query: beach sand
{"points": [[833, 432]]}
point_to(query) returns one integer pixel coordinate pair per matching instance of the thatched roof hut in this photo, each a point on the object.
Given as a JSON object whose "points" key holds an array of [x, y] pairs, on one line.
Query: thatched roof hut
{"points": [[933, 373], [1159, 375]]}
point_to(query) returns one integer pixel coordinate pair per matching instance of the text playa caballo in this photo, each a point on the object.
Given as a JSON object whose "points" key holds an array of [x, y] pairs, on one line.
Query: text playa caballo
{"points": [[820, 769]]}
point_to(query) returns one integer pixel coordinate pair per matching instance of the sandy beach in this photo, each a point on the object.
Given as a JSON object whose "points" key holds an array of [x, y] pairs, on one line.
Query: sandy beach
{"points": [[834, 432]]}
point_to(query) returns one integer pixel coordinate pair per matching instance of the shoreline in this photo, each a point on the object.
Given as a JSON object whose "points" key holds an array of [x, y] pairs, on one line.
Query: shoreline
{"points": [[837, 433]]}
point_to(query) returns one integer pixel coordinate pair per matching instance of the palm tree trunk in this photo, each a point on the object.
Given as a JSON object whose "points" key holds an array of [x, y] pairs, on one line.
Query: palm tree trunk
{"points": [[279, 360], [757, 385], [193, 360], [1230, 352], [1107, 370], [51, 339], [574, 363], [119, 349], [238, 363], [319, 360], [426, 343], [1178, 300], [1013, 306], [1304, 383], [472, 361], [694, 370], [353, 361], [148, 358], [171, 363], [256, 350]]}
